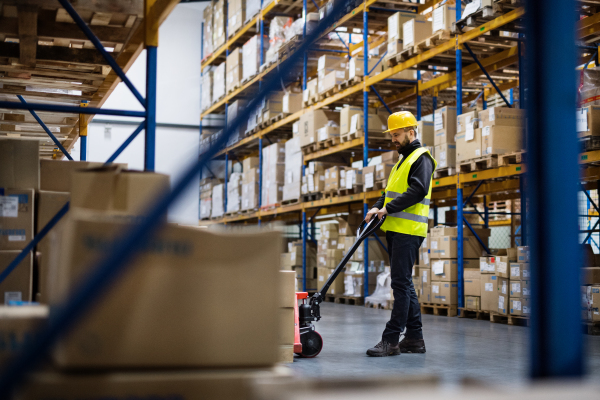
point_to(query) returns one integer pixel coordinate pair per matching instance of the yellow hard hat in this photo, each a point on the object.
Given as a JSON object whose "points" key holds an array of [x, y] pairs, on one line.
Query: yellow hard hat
{"points": [[401, 119]]}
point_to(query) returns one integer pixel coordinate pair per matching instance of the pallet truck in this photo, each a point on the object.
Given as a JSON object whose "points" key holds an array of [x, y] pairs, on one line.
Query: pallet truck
{"points": [[308, 343]]}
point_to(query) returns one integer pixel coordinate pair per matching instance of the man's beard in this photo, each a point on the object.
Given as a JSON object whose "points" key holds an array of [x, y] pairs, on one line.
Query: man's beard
{"points": [[402, 145]]}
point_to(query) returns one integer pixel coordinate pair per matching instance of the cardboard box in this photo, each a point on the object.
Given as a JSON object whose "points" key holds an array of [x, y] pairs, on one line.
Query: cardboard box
{"points": [[472, 302], [115, 190], [356, 67], [172, 384], [369, 178], [525, 289], [446, 247], [415, 30], [523, 254], [18, 326], [292, 102], [590, 276], [467, 122], [588, 121], [472, 282], [55, 175], [444, 125], [444, 271], [501, 139], [444, 293], [425, 133], [425, 296], [375, 124], [331, 80], [445, 155], [390, 157], [489, 292], [520, 307], [396, 22], [18, 284], [19, 164], [16, 220], [467, 149], [346, 117], [286, 326], [519, 271], [322, 276], [502, 116], [593, 299], [515, 289], [310, 122], [453, 231], [503, 304], [287, 289], [150, 305], [442, 17]]}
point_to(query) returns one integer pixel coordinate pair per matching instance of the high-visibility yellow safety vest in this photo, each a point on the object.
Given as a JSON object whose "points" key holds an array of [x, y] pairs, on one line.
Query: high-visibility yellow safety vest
{"points": [[413, 220]]}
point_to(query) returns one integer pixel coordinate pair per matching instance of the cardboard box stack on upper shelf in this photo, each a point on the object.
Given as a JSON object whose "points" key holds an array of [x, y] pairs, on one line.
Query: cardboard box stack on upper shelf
{"points": [[292, 260], [234, 195], [236, 11], [502, 130], [250, 179], [219, 36], [251, 56], [444, 121], [218, 199], [293, 170], [206, 190], [235, 71], [443, 255], [273, 174], [468, 137], [310, 122], [415, 30], [396, 32], [233, 111], [218, 91], [206, 96], [331, 72], [443, 17], [375, 176]]}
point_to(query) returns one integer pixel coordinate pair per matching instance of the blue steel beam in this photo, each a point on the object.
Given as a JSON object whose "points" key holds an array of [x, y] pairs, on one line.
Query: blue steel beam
{"points": [[13, 105], [304, 237], [377, 63], [556, 342], [381, 99], [54, 139], [126, 143], [112, 265], [508, 104], [419, 110], [459, 245], [150, 142], [109, 59], [468, 200]]}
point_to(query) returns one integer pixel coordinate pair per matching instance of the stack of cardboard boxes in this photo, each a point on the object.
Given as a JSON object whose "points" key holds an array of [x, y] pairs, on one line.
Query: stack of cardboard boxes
{"points": [[352, 124], [218, 90], [251, 56], [396, 32], [415, 30], [311, 121], [444, 121], [293, 170], [443, 255], [208, 30], [443, 17], [313, 180], [375, 176], [501, 130], [520, 289], [468, 137], [235, 16], [219, 24], [250, 180], [292, 101], [328, 254], [234, 192], [422, 273], [331, 71], [206, 96], [235, 109], [206, 190], [273, 173], [287, 290], [292, 260], [218, 200], [234, 70]]}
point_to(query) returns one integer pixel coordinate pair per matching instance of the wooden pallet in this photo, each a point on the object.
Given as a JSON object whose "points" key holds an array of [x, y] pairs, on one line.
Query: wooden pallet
{"points": [[517, 157], [312, 197], [355, 190], [439, 309], [510, 319], [289, 47], [350, 300], [328, 93], [590, 143], [330, 194], [270, 207], [476, 19], [444, 172], [349, 83], [379, 185], [290, 202], [475, 314], [400, 57], [330, 142], [278, 117], [266, 65], [479, 164], [249, 211], [432, 41], [248, 79], [330, 298], [373, 136], [234, 88], [311, 148], [386, 305]]}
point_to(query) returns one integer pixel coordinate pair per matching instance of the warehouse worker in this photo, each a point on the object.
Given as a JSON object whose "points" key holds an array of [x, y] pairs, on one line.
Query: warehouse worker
{"points": [[406, 204]]}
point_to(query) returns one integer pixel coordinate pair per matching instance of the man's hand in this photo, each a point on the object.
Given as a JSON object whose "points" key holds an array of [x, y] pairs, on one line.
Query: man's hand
{"points": [[381, 213], [371, 213]]}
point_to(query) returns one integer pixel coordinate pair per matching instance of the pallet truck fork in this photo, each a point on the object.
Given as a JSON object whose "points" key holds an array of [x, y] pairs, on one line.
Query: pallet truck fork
{"points": [[308, 343]]}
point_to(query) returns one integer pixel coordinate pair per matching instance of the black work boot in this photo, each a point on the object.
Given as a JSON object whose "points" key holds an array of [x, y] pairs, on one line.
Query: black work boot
{"points": [[412, 346], [384, 349]]}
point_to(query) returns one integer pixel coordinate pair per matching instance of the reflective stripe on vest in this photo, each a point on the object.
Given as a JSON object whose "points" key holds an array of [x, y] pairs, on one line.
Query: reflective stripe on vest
{"points": [[414, 219]]}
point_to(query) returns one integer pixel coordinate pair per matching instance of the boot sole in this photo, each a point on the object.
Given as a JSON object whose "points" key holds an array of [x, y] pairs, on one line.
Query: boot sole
{"points": [[414, 351], [394, 353]]}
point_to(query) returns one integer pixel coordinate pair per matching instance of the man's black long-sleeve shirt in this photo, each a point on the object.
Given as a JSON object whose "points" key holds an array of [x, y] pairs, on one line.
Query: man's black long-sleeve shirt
{"points": [[419, 178]]}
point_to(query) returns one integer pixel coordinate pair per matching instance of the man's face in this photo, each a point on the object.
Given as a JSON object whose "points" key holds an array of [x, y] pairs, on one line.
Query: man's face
{"points": [[401, 138]]}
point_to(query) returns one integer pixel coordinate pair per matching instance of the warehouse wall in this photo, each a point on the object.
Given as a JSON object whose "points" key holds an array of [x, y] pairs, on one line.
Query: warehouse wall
{"points": [[178, 102]]}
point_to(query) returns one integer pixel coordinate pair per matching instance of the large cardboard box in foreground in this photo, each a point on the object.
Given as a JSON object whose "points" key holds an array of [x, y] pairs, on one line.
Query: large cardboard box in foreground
{"points": [[183, 302], [17, 285], [19, 164], [18, 326], [55, 175]]}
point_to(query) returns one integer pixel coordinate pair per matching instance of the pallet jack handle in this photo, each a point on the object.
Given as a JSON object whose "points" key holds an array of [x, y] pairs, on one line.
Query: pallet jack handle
{"points": [[364, 230]]}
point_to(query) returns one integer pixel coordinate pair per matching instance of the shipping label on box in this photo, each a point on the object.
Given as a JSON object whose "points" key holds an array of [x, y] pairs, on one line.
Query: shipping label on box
{"points": [[16, 218]]}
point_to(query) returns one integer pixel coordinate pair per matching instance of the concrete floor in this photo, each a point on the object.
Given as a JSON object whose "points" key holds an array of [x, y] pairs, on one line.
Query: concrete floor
{"points": [[456, 348]]}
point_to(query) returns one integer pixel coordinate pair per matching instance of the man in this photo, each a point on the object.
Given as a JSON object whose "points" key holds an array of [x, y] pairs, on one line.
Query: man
{"points": [[406, 204]]}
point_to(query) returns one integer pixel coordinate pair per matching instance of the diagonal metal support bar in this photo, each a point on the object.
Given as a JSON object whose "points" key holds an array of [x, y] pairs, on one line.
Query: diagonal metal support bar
{"points": [[476, 210], [486, 74], [127, 143], [590, 199], [54, 139], [468, 200], [476, 235], [589, 234], [315, 214], [381, 243], [376, 64], [380, 99], [111, 61]]}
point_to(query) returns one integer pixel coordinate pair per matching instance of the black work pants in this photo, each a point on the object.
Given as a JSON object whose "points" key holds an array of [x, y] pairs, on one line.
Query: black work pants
{"points": [[403, 250]]}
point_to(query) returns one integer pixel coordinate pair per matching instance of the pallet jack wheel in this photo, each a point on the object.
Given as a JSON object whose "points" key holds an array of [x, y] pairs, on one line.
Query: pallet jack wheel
{"points": [[312, 344]]}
